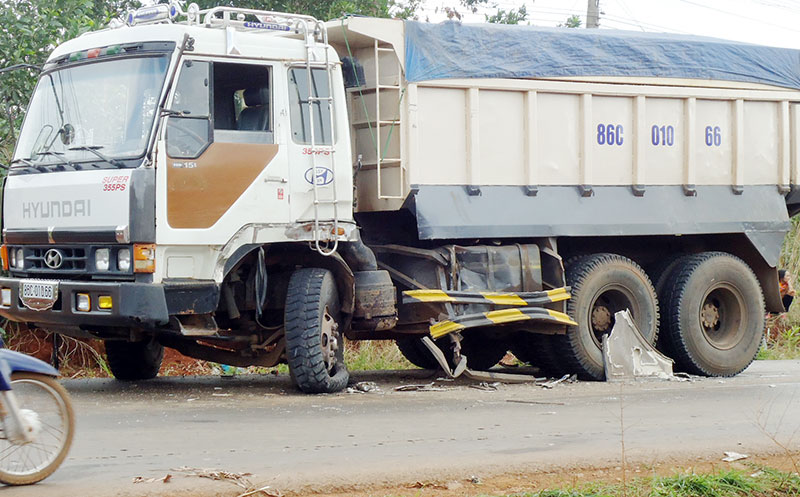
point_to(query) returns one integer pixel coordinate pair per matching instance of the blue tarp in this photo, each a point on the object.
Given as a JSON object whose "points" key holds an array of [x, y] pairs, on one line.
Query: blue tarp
{"points": [[455, 50]]}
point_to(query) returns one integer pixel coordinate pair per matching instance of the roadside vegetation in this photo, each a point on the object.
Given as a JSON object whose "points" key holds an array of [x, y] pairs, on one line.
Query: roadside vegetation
{"points": [[728, 483]]}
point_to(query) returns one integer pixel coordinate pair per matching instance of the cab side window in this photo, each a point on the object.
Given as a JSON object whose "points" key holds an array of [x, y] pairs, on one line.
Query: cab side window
{"points": [[220, 101], [301, 87], [243, 103], [189, 126]]}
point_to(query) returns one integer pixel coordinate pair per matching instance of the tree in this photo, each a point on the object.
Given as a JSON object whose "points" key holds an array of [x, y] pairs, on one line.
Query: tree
{"points": [[573, 21], [499, 16]]}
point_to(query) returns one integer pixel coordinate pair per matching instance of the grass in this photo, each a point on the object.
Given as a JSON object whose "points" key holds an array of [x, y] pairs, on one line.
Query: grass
{"points": [[374, 355], [782, 339], [760, 482]]}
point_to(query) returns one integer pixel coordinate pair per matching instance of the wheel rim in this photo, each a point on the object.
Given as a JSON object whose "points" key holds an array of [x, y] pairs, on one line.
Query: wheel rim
{"points": [[722, 316], [609, 300], [329, 340], [37, 399]]}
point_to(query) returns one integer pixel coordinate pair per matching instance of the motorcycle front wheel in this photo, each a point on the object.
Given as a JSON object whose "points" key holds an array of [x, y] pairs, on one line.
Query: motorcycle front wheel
{"points": [[46, 409]]}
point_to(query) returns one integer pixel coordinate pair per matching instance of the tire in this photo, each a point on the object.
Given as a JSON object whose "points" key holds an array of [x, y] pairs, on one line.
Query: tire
{"points": [[416, 352], [659, 274], [314, 345], [44, 396], [537, 350], [714, 314], [131, 361], [481, 349], [603, 284]]}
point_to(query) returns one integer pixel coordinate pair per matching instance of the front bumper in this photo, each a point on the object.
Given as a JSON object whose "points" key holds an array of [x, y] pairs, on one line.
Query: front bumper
{"points": [[133, 304]]}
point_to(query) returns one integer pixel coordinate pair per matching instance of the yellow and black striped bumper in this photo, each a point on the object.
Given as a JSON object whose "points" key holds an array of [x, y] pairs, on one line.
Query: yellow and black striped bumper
{"points": [[502, 316], [523, 306], [520, 299]]}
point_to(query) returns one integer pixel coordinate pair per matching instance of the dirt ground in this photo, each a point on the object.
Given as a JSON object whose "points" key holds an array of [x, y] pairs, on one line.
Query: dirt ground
{"points": [[533, 481]]}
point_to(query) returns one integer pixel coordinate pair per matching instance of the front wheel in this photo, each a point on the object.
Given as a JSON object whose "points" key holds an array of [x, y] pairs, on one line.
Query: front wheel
{"points": [[314, 346], [46, 409], [130, 361]]}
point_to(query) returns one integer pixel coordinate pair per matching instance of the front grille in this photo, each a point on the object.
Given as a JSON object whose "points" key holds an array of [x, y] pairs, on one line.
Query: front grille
{"points": [[72, 259], [77, 261]]}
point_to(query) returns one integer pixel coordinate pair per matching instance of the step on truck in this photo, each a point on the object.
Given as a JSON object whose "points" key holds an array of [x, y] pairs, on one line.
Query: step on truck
{"points": [[252, 188]]}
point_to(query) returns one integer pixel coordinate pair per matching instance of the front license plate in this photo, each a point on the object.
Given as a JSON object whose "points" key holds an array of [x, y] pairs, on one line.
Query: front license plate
{"points": [[39, 295]]}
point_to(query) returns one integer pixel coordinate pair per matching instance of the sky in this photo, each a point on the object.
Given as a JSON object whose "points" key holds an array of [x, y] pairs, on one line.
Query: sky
{"points": [[764, 22]]}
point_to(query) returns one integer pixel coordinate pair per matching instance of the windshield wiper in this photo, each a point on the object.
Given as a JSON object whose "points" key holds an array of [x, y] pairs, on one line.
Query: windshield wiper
{"points": [[104, 157], [60, 155]]}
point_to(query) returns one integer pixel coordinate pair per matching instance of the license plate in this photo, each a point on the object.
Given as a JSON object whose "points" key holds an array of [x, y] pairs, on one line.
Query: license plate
{"points": [[39, 295]]}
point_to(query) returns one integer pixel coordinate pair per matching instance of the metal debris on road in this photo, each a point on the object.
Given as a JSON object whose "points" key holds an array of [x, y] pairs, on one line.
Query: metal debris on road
{"points": [[731, 456], [364, 387], [427, 387], [628, 355], [569, 378], [141, 479], [486, 386]]}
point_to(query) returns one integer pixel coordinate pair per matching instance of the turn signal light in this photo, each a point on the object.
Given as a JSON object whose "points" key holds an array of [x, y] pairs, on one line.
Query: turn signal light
{"points": [[104, 302], [4, 256], [144, 258]]}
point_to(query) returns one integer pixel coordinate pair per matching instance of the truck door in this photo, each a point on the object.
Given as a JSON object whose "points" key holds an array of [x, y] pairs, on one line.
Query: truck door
{"points": [[220, 138], [312, 160]]}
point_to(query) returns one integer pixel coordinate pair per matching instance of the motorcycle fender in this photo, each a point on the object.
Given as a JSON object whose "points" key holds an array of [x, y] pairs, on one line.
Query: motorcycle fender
{"points": [[12, 362]]}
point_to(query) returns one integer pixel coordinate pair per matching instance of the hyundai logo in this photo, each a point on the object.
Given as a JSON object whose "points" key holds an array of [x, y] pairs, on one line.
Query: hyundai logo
{"points": [[324, 176], [53, 258]]}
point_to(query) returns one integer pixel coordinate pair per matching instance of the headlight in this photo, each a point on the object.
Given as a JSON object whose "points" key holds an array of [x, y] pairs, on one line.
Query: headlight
{"points": [[124, 260], [101, 259], [19, 257]]}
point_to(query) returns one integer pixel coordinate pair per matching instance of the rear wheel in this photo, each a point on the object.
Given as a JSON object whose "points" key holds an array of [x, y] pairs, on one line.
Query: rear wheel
{"points": [[416, 352], [537, 350], [479, 346], [129, 361], [603, 284], [314, 347], [714, 314]]}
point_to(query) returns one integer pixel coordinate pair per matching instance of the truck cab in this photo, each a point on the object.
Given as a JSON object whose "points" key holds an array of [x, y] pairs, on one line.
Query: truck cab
{"points": [[153, 160]]}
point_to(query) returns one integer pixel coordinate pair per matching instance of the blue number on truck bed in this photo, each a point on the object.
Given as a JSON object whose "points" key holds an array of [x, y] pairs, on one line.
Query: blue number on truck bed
{"points": [[662, 135], [713, 136], [609, 134]]}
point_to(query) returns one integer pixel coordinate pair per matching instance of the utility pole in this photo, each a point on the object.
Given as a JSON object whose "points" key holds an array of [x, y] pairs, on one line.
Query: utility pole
{"points": [[593, 14]]}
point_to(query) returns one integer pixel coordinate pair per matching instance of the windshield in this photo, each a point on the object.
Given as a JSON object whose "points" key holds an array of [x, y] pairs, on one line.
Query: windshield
{"points": [[106, 107]]}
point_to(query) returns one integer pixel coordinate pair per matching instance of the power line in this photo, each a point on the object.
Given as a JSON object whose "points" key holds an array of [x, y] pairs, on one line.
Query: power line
{"points": [[734, 14]]}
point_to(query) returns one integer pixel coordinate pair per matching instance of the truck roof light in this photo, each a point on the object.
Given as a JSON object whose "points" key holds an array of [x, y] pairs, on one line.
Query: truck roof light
{"points": [[154, 13]]}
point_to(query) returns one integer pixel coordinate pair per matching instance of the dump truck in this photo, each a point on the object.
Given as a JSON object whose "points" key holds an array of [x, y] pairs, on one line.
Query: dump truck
{"points": [[253, 187]]}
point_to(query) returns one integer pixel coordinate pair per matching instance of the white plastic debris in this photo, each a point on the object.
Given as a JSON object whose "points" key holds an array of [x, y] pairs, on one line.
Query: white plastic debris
{"points": [[731, 456], [627, 355]]}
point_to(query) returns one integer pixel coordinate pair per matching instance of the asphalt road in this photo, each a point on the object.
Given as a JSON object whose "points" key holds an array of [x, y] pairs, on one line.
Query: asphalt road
{"points": [[260, 425]]}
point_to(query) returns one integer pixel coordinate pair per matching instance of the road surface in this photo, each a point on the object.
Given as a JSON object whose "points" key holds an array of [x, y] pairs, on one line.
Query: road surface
{"points": [[290, 441]]}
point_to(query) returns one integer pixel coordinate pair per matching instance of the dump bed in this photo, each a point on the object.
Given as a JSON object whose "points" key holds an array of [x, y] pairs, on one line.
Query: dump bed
{"points": [[516, 131]]}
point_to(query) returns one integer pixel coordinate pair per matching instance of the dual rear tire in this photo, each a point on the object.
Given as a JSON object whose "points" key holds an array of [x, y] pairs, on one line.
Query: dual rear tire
{"points": [[713, 317], [707, 308]]}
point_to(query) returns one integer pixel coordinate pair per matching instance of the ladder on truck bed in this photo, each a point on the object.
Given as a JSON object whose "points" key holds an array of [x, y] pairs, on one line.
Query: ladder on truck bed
{"points": [[315, 35]]}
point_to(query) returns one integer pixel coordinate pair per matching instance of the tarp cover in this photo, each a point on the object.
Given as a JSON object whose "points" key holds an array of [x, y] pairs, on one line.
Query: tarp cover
{"points": [[455, 50]]}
